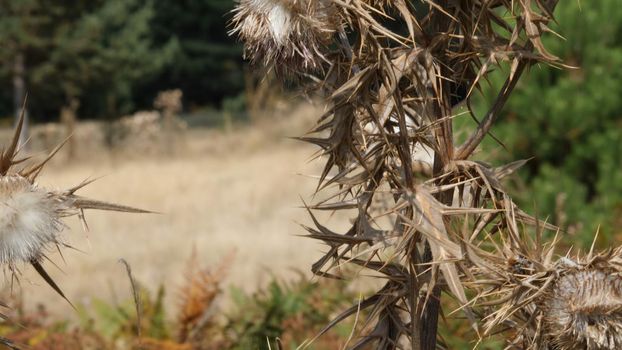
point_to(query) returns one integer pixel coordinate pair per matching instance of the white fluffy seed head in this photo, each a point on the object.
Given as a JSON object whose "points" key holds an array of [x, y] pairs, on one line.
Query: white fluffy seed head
{"points": [[29, 220], [279, 19], [288, 35]]}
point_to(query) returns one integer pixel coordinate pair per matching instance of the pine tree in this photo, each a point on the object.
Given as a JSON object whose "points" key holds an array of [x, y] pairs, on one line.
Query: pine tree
{"points": [[208, 66], [574, 129], [94, 51]]}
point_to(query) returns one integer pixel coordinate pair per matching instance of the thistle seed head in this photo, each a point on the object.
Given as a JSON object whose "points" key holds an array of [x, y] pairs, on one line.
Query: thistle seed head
{"points": [[288, 35], [584, 310], [572, 302], [29, 220], [31, 216]]}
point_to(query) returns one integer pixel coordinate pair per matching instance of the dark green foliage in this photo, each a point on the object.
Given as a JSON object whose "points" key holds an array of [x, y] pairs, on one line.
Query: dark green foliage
{"points": [[116, 55], [293, 312], [119, 320], [95, 51], [207, 64], [570, 121]]}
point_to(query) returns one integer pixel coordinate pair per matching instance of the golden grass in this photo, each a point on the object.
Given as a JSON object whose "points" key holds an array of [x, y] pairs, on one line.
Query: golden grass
{"points": [[236, 191]]}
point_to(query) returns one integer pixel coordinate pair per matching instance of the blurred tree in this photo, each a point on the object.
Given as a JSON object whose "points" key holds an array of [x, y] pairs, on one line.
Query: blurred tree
{"points": [[18, 34], [570, 121], [207, 65], [94, 51]]}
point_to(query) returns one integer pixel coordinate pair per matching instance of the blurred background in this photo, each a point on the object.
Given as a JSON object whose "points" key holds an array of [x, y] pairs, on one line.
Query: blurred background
{"points": [[163, 108]]}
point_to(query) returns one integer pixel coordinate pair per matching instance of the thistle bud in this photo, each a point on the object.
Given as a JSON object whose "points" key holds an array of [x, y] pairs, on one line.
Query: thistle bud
{"points": [[584, 310]]}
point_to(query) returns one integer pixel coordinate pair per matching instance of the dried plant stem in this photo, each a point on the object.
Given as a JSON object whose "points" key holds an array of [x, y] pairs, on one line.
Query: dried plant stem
{"points": [[467, 148], [136, 298]]}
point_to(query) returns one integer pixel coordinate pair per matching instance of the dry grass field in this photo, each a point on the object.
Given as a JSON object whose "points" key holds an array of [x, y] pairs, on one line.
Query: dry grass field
{"points": [[224, 193]]}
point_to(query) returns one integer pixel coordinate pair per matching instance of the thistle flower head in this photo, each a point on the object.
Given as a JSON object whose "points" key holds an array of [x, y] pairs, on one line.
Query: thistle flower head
{"points": [[29, 220], [31, 216], [571, 303], [584, 310], [289, 35]]}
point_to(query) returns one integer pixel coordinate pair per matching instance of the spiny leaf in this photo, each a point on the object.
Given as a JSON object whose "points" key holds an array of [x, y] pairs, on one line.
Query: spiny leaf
{"points": [[46, 277]]}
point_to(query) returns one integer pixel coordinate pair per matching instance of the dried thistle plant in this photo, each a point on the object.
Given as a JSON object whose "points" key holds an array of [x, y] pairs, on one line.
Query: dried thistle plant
{"points": [[393, 73], [31, 216]]}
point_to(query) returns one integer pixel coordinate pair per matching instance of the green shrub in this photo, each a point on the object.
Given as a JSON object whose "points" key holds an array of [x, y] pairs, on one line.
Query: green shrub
{"points": [[570, 122]]}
